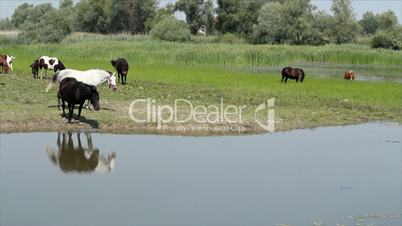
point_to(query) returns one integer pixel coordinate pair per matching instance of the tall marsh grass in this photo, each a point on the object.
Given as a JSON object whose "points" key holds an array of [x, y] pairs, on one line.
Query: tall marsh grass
{"points": [[140, 49]]}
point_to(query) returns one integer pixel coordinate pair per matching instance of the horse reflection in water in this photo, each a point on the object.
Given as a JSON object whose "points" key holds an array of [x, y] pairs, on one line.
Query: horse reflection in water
{"points": [[71, 158]]}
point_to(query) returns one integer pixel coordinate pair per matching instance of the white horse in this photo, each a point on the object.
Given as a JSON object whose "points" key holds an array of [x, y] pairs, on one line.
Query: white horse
{"points": [[78, 158], [202, 31], [93, 77]]}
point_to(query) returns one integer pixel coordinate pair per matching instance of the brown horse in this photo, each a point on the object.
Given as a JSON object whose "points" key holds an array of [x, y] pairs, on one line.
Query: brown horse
{"points": [[3, 64], [349, 75], [292, 73], [35, 68]]}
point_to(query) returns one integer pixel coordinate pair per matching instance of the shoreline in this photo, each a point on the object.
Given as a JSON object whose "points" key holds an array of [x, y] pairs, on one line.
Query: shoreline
{"points": [[140, 129]]}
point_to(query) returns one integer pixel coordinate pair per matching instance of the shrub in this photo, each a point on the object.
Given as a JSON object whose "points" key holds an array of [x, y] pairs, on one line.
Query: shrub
{"points": [[230, 38], [388, 40], [45, 24], [171, 29]]}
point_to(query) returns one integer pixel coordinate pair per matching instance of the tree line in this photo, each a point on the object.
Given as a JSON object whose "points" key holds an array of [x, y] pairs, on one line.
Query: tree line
{"points": [[296, 22]]}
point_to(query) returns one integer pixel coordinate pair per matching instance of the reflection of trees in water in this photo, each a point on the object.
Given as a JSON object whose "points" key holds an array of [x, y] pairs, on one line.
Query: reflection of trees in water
{"points": [[80, 158]]}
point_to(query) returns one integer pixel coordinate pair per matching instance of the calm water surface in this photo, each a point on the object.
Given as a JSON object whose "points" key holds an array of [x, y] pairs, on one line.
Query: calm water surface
{"points": [[336, 175]]}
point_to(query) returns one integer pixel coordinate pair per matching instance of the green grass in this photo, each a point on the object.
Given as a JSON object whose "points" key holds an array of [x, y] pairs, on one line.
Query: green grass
{"points": [[204, 74], [316, 102]]}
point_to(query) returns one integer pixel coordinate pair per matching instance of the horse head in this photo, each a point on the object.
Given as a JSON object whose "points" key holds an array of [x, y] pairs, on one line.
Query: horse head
{"points": [[112, 81], [94, 98], [58, 67]]}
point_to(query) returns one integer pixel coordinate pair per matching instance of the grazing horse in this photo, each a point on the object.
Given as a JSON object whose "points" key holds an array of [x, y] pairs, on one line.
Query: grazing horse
{"points": [[75, 92], [35, 68], [121, 67], [349, 75], [6, 62], [292, 73], [93, 77], [49, 63], [80, 158]]}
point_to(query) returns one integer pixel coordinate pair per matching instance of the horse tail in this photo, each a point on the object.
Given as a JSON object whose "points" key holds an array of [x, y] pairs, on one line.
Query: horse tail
{"points": [[52, 81], [302, 77]]}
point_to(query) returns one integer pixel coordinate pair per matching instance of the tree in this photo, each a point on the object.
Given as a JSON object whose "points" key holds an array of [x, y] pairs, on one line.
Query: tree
{"points": [[21, 14], [66, 4], [142, 13], [171, 29], [369, 23], [168, 10], [118, 19], [299, 16], [321, 28], [391, 39], [44, 24], [198, 12], [5, 24], [228, 15], [90, 16], [269, 28], [248, 16], [387, 20], [293, 22], [345, 29], [66, 10]]}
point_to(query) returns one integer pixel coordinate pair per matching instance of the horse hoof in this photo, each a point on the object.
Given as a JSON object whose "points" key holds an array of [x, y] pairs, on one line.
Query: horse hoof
{"points": [[73, 121]]}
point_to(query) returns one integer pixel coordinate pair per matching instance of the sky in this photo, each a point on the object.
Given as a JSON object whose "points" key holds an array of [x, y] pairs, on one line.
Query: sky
{"points": [[7, 7]]}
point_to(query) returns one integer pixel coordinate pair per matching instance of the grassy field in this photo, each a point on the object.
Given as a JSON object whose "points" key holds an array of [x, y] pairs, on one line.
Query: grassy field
{"points": [[203, 74]]}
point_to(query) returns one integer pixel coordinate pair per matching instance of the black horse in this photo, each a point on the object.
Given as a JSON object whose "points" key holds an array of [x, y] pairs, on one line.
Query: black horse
{"points": [[75, 92], [121, 67], [292, 73], [73, 157]]}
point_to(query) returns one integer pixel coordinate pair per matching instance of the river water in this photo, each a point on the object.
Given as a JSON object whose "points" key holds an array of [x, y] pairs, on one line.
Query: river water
{"points": [[335, 175]]}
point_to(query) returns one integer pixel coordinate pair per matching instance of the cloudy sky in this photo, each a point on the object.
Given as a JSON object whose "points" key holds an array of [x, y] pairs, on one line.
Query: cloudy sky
{"points": [[7, 7]]}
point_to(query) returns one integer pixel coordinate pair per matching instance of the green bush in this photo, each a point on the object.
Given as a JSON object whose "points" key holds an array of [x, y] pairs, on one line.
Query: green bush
{"points": [[231, 39], [388, 40], [171, 29], [50, 28]]}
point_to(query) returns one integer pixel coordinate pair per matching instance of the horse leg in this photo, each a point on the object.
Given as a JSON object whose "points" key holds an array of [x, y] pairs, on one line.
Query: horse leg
{"points": [[70, 111], [286, 79], [58, 100], [64, 106], [79, 111], [118, 77], [283, 77], [125, 78]]}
